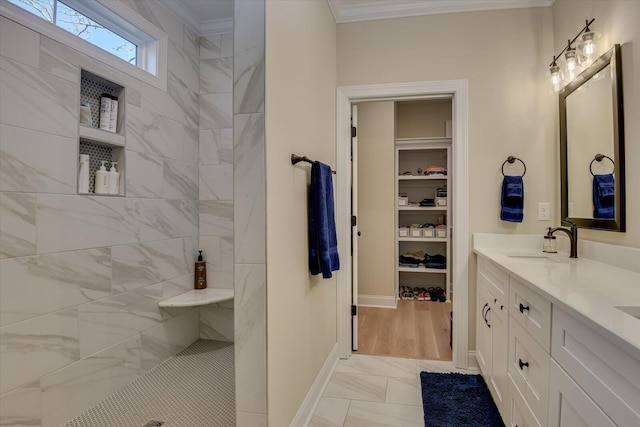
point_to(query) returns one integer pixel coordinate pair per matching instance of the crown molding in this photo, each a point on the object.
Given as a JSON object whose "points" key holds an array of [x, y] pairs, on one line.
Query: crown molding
{"points": [[399, 9], [202, 28]]}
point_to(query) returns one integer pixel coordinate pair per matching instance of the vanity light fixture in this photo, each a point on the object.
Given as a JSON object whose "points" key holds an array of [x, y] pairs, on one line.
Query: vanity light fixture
{"points": [[588, 45], [556, 77], [574, 59], [570, 56]]}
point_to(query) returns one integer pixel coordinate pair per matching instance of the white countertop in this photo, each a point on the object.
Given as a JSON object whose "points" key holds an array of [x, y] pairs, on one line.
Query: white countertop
{"points": [[198, 297], [583, 286]]}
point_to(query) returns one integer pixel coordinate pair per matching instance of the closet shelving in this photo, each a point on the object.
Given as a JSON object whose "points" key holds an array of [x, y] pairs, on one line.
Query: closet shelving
{"points": [[413, 154]]}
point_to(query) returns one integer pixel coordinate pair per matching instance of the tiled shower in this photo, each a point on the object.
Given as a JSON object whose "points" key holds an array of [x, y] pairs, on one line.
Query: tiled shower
{"points": [[81, 275]]}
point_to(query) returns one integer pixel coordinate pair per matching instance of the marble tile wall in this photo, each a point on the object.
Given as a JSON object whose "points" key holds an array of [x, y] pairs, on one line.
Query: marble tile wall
{"points": [[216, 198], [249, 213], [81, 276]]}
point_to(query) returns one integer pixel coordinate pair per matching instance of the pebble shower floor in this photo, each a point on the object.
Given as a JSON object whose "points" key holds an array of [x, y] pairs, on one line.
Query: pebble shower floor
{"points": [[194, 388]]}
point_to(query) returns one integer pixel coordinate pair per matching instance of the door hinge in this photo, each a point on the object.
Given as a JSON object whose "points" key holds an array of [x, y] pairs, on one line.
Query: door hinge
{"points": [[354, 310], [354, 132], [354, 221]]}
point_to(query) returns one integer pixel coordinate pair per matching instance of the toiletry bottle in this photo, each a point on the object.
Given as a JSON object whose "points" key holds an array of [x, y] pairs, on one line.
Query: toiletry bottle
{"points": [[105, 111], [200, 278], [102, 180], [113, 117], [83, 174], [114, 179], [85, 114]]}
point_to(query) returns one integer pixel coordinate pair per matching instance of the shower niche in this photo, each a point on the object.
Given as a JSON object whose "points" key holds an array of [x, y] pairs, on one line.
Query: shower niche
{"points": [[100, 144]]}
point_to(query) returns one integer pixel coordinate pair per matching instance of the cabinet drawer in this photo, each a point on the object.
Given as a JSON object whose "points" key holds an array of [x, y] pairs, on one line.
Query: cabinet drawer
{"points": [[519, 414], [529, 368], [569, 406], [496, 280], [531, 311], [608, 374]]}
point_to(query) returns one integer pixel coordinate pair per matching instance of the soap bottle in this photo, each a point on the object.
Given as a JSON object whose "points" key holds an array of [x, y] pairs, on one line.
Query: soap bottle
{"points": [[83, 174], [200, 278], [550, 244], [105, 111], [102, 180], [114, 179], [113, 115]]}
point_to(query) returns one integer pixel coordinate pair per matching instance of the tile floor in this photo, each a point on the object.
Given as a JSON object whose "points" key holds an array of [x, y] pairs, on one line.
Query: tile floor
{"points": [[371, 391]]}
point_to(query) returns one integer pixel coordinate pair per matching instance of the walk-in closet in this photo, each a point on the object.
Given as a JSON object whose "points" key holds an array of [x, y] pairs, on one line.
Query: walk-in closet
{"points": [[402, 193]]}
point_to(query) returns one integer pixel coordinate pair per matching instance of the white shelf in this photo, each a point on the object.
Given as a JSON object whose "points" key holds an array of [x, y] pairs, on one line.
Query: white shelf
{"points": [[418, 208], [197, 297], [101, 136], [422, 270], [423, 239], [427, 140], [422, 178]]}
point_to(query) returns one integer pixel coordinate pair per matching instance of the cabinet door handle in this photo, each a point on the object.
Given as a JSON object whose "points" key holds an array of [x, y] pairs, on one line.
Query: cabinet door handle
{"points": [[485, 316], [523, 308], [522, 364]]}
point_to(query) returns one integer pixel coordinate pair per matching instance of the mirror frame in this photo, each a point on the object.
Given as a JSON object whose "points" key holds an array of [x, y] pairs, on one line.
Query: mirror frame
{"points": [[611, 57]]}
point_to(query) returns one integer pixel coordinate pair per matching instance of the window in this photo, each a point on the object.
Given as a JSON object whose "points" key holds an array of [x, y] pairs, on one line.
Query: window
{"points": [[136, 42]]}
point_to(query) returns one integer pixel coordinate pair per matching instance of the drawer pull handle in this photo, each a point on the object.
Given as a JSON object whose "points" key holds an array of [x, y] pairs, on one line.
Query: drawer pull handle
{"points": [[485, 310], [523, 308], [522, 364]]}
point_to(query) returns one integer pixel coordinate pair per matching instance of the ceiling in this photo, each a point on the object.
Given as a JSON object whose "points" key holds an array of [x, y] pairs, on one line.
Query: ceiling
{"points": [[216, 16]]}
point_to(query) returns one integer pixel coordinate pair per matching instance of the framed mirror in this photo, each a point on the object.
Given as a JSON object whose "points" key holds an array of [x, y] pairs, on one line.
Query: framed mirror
{"points": [[592, 146]]}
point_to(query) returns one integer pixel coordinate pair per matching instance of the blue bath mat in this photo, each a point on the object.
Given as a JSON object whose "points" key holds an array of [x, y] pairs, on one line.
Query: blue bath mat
{"points": [[457, 400]]}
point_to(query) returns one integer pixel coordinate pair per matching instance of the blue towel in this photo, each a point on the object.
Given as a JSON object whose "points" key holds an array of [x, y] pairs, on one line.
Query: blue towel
{"points": [[512, 199], [323, 243], [604, 190]]}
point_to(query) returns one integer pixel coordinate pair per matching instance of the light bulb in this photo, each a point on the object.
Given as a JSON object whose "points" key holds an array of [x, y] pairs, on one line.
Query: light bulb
{"points": [[572, 63], [588, 46], [556, 78]]}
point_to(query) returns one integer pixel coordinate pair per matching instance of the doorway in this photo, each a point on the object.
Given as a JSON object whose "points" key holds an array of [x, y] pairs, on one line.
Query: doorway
{"points": [[346, 97], [401, 253]]}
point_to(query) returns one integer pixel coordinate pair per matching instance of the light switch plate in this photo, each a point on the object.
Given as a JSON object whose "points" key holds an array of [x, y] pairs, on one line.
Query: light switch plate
{"points": [[544, 212]]}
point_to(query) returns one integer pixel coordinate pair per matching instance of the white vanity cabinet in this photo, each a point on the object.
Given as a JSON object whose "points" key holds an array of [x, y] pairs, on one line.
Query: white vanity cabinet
{"points": [[492, 331], [607, 376], [562, 369]]}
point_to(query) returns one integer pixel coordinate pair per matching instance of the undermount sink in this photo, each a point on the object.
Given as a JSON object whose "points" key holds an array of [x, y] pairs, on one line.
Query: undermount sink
{"points": [[525, 255], [536, 257], [631, 310]]}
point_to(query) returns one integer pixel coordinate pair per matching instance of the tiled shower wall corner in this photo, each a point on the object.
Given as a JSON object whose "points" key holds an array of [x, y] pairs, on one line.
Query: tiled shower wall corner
{"points": [[216, 179], [249, 213], [81, 276]]}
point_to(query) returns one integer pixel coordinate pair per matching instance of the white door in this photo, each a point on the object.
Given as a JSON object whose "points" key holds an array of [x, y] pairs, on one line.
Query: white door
{"points": [[354, 228]]}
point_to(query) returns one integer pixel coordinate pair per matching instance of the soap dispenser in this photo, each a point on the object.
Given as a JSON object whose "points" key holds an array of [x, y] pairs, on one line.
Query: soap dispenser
{"points": [[114, 179], [102, 180], [200, 278], [550, 245]]}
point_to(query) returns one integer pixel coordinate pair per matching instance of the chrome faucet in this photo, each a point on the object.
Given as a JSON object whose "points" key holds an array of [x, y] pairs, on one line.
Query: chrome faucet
{"points": [[573, 235]]}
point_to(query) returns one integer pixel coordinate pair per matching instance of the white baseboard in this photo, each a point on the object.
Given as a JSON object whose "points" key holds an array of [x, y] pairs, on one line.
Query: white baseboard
{"points": [[380, 301], [473, 362], [310, 402]]}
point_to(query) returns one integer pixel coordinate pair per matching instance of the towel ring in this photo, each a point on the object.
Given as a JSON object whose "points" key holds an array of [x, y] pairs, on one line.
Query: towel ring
{"points": [[598, 158], [512, 159]]}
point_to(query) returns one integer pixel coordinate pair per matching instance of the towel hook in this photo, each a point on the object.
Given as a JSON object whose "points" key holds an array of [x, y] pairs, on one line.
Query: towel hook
{"points": [[598, 158], [511, 160]]}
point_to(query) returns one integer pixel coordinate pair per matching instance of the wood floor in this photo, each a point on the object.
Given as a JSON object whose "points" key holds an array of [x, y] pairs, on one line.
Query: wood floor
{"points": [[416, 329]]}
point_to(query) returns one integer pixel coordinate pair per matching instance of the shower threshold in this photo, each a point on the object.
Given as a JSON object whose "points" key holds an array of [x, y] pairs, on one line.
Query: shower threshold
{"points": [[194, 388]]}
